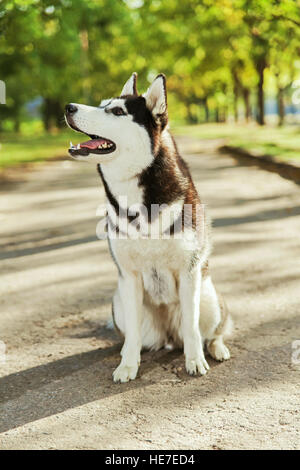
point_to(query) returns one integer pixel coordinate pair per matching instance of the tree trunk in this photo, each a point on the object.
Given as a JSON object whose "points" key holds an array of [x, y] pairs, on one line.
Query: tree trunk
{"points": [[236, 89], [261, 65], [17, 117], [17, 123], [58, 115], [235, 103], [206, 110], [280, 104], [46, 114], [217, 115], [53, 114], [190, 117], [246, 96], [189, 114]]}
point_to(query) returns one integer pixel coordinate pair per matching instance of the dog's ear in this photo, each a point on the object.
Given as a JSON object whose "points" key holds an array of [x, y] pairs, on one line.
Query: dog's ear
{"points": [[156, 96], [130, 86]]}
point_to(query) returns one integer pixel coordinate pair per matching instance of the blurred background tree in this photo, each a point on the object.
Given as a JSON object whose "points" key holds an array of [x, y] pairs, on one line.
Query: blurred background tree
{"points": [[226, 60]]}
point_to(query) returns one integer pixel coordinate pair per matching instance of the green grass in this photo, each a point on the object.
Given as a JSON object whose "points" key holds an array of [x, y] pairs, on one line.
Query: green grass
{"points": [[36, 146], [20, 149], [283, 143]]}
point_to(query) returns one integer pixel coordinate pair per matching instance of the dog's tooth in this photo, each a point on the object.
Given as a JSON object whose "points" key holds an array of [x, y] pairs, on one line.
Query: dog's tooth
{"points": [[71, 145], [78, 146]]}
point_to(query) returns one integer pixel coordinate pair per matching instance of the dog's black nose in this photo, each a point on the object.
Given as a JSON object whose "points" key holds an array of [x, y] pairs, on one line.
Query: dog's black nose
{"points": [[70, 109]]}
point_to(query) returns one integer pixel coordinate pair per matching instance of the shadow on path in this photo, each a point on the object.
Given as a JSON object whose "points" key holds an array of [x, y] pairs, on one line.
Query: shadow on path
{"points": [[67, 383]]}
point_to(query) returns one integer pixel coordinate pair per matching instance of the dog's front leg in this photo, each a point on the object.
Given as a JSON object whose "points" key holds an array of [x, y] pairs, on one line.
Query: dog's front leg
{"points": [[131, 293], [189, 293]]}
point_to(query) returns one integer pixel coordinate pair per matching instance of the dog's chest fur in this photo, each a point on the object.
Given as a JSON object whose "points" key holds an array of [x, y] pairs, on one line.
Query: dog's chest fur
{"points": [[159, 262], [161, 285]]}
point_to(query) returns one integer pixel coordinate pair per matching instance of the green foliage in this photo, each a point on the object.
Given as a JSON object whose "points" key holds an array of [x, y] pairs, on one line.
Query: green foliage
{"points": [[214, 52]]}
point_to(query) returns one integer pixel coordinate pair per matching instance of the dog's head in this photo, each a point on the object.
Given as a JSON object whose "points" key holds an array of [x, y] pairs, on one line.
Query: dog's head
{"points": [[126, 127]]}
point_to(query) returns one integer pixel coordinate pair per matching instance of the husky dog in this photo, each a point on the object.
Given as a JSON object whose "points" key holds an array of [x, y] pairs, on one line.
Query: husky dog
{"points": [[165, 296]]}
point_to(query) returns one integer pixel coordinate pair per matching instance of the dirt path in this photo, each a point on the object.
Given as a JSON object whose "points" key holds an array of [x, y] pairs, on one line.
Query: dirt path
{"points": [[56, 285]]}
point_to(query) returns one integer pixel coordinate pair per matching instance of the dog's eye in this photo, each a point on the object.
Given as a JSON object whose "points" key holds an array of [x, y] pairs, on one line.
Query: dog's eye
{"points": [[118, 111]]}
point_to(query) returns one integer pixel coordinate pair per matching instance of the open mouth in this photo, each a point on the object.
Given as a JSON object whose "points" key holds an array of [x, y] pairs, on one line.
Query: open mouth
{"points": [[97, 145]]}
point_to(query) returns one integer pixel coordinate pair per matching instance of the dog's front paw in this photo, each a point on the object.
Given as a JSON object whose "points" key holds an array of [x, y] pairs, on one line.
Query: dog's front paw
{"points": [[124, 373], [196, 365]]}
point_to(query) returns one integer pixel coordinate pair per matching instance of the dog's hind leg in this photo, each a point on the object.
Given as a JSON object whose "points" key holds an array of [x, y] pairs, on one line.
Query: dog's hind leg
{"points": [[215, 322]]}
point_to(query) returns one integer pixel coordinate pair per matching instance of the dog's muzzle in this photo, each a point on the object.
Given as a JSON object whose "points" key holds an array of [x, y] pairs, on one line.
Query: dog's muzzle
{"points": [[97, 144]]}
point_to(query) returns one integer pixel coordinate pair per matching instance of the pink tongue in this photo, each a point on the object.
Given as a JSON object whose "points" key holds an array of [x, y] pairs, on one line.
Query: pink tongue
{"points": [[93, 144]]}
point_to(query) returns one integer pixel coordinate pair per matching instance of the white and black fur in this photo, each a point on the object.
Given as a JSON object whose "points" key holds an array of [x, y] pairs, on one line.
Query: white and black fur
{"points": [[165, 295]]}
